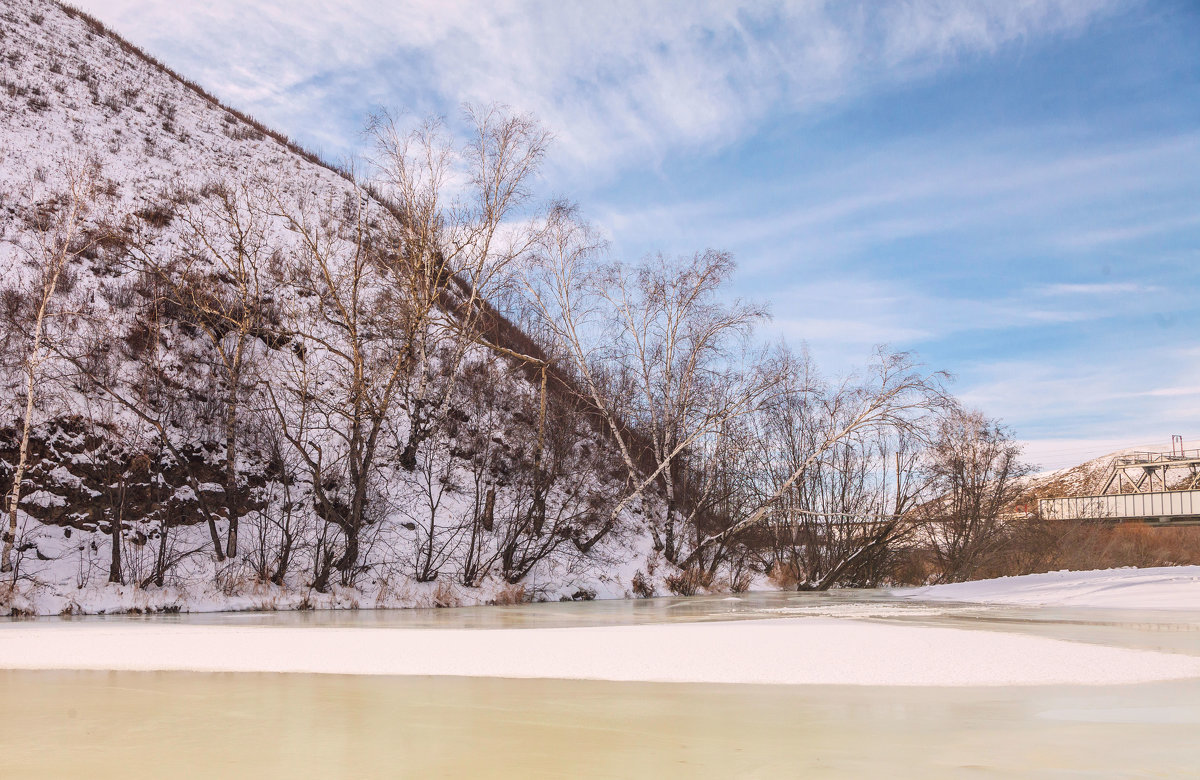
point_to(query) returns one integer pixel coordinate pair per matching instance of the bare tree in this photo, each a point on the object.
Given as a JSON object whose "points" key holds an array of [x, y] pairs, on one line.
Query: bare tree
{"points": [[58, 228], [840, 519], [345, 366], [216, 285], [894, 397], [144, 373], [280, 530], [457, 235], [556, 494], [656, 352], [437, 537], [976, 474]]}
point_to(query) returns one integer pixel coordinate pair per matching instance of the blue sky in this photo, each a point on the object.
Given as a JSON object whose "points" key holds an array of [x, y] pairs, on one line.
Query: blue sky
{"points": [[1010, 189]]}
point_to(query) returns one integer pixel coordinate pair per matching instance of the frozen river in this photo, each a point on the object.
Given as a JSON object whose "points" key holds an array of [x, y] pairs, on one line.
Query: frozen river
{"points": [[147, 724]]}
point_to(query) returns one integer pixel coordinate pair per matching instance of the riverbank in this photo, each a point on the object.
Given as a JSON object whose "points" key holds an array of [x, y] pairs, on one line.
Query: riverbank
{"points": [[1167, 587]]}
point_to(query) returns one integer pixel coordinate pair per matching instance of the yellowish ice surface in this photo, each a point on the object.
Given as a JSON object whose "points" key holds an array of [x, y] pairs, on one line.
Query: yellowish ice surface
{"points": [[132, 725]]}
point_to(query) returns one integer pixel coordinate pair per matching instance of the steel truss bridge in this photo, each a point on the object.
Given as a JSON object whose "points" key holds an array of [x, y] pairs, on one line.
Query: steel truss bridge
{"points": [[1138, 490]]}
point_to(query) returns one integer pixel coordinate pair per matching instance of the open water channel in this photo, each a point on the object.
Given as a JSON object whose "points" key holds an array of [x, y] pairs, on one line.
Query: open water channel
{"points": [[173, 724]]}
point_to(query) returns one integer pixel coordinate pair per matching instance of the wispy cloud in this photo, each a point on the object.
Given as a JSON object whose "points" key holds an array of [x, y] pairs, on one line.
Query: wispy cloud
{"points": [[1139, 393], [620, 83], [849, 315], [1090, 289], [1027, 192], [1129, 230]]}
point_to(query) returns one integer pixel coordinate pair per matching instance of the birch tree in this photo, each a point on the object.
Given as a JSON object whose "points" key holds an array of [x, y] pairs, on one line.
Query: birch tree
{"points": [[459, 228], [58, 235], [345, 366], [658, 353], [894, 396], [842, 520]]}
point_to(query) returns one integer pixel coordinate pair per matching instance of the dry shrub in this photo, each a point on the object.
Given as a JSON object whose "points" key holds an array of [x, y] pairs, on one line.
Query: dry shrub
{"points": [[1035, 545], [737, 582], [444, 596], [688, 582], [643, 586], [512, 594], [393, 591], [783, 577], [8, 600], [912, 566], [1137, 545], [159, 215], [232, 580]]}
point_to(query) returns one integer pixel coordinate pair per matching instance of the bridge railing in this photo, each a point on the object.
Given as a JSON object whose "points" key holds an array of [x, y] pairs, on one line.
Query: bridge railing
{"points": [[1181, 504], [1151, 458]]}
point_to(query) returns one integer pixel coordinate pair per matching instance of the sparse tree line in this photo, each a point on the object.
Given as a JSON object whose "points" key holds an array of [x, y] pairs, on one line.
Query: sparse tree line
{"points": [[317, 390]]}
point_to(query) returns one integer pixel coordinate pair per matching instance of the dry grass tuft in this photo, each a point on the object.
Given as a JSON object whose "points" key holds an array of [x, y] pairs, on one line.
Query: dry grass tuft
{"points": [[444, 596], [783, 577], [689, 582], [511, 594]]}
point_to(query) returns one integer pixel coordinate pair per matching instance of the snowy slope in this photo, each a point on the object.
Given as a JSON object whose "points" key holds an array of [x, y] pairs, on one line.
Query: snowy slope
{"points": [[69, 90], [72, 92]]}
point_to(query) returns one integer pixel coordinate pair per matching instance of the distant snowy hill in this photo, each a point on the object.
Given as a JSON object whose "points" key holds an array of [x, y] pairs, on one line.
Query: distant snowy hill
{"points": [[1086, 479]]}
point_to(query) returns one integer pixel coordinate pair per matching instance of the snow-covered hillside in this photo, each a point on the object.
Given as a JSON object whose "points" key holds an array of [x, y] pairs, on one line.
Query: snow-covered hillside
{"points": [[133, 429]]}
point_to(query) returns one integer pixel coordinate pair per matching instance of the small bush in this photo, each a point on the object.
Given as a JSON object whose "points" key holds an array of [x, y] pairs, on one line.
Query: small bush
{"points": [[740, 581], [783, 577], [238, 133], [12, 89], [689, 582], [444, 596], [511, 594], [158, 215], [583, 594], [642, 586], [1033, 545]]}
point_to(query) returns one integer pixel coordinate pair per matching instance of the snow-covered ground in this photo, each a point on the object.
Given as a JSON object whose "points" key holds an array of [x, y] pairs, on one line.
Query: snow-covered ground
{"points": [[798, 651], [1173, 588], [816, 649]]}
